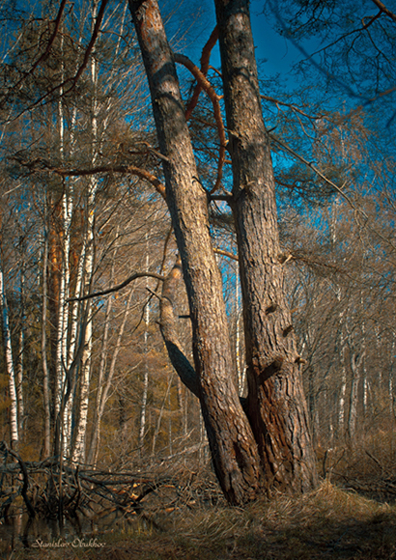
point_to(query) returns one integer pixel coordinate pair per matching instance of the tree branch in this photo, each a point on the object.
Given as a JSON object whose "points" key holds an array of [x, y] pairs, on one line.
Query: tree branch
{"points": [[181, 364], [73, 80], [226, 254], [204, 69], [133, 170], [384, 9], [291, 106], [49, 45], [120, 286], [208, 88]]}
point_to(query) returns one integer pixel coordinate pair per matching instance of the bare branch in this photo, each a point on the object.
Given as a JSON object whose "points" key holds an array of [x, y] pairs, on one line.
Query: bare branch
{"points": [[314, 168], [384, 9], [291, 106], [49, 45], [338, 189], [204, 69], [207, 86], [133, 170], [130, 279], [73, 80], [226, 254]]}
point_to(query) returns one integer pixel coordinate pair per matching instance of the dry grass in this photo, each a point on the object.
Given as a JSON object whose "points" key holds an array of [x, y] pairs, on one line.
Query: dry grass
{"points": [[330, 523]]}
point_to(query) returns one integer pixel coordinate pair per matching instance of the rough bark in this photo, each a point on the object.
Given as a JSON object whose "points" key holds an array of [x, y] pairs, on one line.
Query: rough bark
{"points": [[231, 441], [181, 364], [276, 403]]}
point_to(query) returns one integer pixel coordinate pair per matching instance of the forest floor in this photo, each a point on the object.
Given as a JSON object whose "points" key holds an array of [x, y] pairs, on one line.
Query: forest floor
{"points": [[330, 523]]}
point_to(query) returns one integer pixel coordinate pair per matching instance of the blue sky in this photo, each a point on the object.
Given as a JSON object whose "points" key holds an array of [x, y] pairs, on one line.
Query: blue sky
{"points": [[278, 52]]}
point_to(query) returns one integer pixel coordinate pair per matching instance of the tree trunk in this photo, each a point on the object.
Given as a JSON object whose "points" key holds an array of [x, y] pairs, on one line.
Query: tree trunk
{"points": [[9, 363], [46, 376], [53, 279], [21, 350], [79, 444], [356, 363], [234, 450], [143, 410], [276, 403]]}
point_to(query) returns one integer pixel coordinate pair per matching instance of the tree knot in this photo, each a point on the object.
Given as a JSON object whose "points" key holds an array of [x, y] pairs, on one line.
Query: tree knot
{"points": [[272, 369], [287, 331], [273, 307]]}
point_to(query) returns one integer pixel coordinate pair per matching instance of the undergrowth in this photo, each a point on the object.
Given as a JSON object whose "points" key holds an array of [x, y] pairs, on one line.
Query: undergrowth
{"points": [[330, 523]]}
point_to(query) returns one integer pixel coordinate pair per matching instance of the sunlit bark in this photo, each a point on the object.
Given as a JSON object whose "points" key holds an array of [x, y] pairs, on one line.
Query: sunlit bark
{"points": [[233, 447], [276, 403]]}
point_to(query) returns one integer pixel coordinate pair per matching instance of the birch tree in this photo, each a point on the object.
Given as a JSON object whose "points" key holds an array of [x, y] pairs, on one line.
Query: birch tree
{"points": [[9, 362]]}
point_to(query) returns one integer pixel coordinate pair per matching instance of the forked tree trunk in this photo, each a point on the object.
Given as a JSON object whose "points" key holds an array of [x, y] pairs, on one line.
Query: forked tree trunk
{"points": [[276, 403], [233, 448]]}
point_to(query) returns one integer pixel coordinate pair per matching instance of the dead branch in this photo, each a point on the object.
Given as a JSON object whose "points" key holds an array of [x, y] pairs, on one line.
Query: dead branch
{"points": [[130, 279], [130, 169], [5, 450], [205, 57], [215, 99]]}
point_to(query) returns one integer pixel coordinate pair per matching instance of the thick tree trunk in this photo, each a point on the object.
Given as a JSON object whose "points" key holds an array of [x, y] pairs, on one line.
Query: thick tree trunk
{"points": [[231, 440], [276, 404]]}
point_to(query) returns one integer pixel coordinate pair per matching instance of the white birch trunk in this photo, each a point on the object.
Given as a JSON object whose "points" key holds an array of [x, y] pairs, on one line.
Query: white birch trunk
{"points": [[61, 348], [63, 323], [341, 326], [143, 410], [356, 361], [21, 350], [341, 402], [9, 362], [75, 320], [78, 454], [365, 393]]}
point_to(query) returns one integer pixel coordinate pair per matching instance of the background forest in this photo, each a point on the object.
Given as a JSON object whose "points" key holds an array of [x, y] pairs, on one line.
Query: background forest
{"points": [[90, 378]]}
